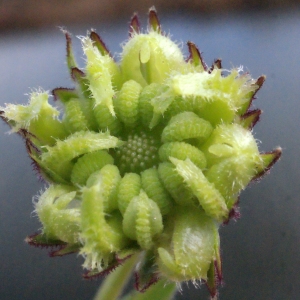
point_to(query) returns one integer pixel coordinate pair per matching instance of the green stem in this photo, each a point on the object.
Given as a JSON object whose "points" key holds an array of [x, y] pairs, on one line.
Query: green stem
{"points": [[162, 290], [114, 283]]}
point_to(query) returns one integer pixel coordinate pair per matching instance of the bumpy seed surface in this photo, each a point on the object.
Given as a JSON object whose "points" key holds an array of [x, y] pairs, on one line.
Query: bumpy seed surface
{"points": [[154, 188], [138, 153], [186, 125]]}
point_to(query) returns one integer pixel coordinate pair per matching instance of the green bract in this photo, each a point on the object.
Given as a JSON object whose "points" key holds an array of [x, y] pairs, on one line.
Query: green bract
{"points": [[149, 155]]}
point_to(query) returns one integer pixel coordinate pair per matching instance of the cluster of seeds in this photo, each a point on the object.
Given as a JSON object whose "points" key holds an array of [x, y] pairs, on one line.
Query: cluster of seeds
{"points": [[139, 152], [150, 155]]}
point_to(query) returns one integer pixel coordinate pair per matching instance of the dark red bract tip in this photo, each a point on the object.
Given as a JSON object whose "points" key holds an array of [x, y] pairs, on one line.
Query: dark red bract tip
{"points": [[64, 94], [234, 213], [76, 74], [65, 250], [134, 26], [272, 157], [95, 274], [98, 42], [216, 65], [250, 118], [68, 40], [41, 241], [195, 56], [2, 113], [260, 81], [153, 20], [143, 287], [70, 55]]}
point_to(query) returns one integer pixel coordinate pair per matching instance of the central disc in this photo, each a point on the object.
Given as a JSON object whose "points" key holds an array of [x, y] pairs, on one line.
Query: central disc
{"points": [[140, 152]]}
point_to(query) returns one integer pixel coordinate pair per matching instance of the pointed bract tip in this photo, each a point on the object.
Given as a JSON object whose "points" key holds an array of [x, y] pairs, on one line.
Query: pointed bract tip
{"points": [[140, 287], [40, 240], [154, 23], [259, 83], [260, 80], [64, 94], [65, 250], [195, 56], [68, 37], [2, 116], [98, 42], [122, 259], [269, 159], [77, 74], [216, 65], [250, 118], [70, 55], [219, 274], [93, 274], [212, 280], [134, 26], [234, 214]]}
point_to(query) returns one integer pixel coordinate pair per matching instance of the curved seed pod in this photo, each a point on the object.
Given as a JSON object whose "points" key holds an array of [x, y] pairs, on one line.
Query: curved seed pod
{"points": [[209, 197], [231, 176], [59, 214], [186, 125], [105, 120], [180, 104], [182, 151], [74, 120], [145, 101], [101, 235], [60, 156], [52, 176], [153, 187], [129, 187], [175, 185], [39, 118], [223, 95], [88, 164], [191, 250], [79, 143], [150, 58], [109, 178], [142, 220], [126, 103], [99, 72], [87, 108], [230, 140], [160, 104]]}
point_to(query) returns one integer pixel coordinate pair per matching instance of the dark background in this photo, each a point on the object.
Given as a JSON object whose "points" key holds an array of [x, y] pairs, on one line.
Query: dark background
{"points": [[261, 252]]}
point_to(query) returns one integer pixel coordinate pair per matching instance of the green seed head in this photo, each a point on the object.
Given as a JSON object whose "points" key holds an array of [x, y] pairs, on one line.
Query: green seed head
{"points": [[149, 155], [139, 152]]}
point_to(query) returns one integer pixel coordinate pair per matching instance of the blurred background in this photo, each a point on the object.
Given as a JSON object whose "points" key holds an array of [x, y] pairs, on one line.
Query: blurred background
{"points": [[21, 14], [261, 252]]}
